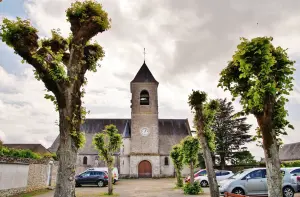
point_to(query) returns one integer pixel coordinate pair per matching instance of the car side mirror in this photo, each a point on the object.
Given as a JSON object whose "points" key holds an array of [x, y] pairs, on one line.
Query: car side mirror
{"points": [[248, 177]]}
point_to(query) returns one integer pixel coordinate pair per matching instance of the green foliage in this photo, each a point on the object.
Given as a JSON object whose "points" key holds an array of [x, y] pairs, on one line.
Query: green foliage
{"points": [[190, 148], [290, 164], [177, 159], [20, 30], [192, 189], [231, 132], [107, 143], [50, 155], [93, 53], [243, 158], [86, 11], [260, 74], [22, 153], [204, 115]]}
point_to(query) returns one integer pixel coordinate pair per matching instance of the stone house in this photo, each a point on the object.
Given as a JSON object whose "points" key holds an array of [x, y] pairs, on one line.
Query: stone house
{"points": [[146, 139]]}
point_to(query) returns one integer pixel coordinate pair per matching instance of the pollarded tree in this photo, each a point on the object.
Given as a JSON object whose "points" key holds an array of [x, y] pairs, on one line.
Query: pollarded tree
{"points": [[231, 132], [204, 117], [107, 143], [177, 158], [61, 63], [261, 75], [190, 149]]}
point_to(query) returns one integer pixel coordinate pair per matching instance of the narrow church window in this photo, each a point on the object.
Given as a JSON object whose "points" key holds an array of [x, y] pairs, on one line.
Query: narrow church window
{"points": [[144, 97], [166, 161], [84, 160]]}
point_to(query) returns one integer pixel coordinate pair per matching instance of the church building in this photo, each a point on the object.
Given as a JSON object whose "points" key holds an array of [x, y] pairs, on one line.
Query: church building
{"points": [[146, 139]]}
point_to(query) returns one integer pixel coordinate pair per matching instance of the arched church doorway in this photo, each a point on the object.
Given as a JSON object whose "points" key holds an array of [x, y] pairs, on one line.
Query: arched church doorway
{"points": [[145, 169]]}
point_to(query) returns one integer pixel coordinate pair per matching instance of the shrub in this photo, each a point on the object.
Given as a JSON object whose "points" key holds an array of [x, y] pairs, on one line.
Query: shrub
{"points": [[290, 164], [192, 189], [50, 155], [22, 153]]}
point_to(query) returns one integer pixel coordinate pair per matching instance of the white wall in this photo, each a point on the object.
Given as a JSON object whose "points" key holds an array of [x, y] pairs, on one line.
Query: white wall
{"points": [[166, 170], [124, 165], [125, 147], [13, 175]]}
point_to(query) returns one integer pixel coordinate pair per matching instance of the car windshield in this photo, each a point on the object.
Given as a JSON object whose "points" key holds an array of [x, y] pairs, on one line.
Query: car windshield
{"points": [[239, 174]]}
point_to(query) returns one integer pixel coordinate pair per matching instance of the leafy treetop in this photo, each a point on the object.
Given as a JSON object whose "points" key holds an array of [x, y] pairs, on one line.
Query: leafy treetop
{"points": [[260, 74], [107, 143], [190, 149], [204, 111], [61, 63], [177, 156]]}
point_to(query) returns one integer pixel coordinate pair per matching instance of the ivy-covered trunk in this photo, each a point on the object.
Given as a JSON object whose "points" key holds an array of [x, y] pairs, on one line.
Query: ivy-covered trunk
{"points": [[69, 126], [179, 179], [274, 178], [192, 173], [67, 154], [213, 185], [110, 178]]}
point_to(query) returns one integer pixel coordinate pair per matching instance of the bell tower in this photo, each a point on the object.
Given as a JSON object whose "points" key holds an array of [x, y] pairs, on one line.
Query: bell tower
{"points": [[144, 112]]}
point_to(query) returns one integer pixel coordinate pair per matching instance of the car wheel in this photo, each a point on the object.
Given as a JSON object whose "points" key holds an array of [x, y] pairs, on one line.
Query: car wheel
{"points": [[77, 185], [204, 183], [100, 183], [238, 191], [288, 192]]}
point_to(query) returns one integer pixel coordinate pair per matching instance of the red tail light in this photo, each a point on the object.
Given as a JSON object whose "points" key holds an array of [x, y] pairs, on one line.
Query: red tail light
{"points": [[106, 177], [298, 178]]}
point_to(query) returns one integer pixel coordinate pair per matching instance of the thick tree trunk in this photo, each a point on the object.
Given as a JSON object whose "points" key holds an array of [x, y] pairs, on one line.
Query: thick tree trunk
{"points": [[67, 154], [213, 185], [192, 173], [274, 178], [222, 161], [110, 178]]}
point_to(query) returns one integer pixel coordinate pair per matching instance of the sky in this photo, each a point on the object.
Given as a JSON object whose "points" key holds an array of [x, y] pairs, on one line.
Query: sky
{"points": [[187, 44]]}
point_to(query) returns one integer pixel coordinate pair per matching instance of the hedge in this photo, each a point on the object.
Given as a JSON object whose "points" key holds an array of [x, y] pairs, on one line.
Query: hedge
{"points": [[23, 153]]}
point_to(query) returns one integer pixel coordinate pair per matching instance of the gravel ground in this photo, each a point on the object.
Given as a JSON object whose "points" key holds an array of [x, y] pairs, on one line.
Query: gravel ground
{"points": [[135, 188]]}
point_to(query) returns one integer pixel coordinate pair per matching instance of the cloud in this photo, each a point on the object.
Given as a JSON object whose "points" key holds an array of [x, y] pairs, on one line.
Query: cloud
{"points": [[187, 44]]}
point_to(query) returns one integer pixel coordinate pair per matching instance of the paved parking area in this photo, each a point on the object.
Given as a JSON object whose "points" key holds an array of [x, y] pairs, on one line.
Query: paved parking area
{"points": [[135, 188]]}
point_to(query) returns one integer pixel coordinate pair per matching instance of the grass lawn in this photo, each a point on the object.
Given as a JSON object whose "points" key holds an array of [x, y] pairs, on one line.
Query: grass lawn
{"points": [[34, 193]]}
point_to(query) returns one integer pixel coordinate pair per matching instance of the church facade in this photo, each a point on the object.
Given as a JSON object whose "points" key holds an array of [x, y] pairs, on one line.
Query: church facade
{"points": [[146, 139]]}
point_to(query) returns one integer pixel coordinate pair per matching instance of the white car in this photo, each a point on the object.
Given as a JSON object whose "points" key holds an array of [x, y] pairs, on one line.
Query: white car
{"points": [[295, 174], [115, 172], [220, 175]]}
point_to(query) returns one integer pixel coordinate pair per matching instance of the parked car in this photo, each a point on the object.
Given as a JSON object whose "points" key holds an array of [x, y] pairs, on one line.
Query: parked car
{"points": [[295, 176], [115, 172], [254, 182], [91, 177], [220, 175], [201, 172]]}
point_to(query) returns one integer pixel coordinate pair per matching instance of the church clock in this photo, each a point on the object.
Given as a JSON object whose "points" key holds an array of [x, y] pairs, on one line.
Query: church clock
{"points": [[144, 131]]}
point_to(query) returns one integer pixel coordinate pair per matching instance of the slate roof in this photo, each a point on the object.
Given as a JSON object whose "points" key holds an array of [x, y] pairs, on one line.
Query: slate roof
{"points": [[144, 75], [290, 152], [37, 148], [171, 132]]}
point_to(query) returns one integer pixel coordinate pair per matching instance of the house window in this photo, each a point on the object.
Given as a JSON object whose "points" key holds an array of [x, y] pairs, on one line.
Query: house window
{"points": [[166, 161], [97, 157], [144, 97], [84, 160]]}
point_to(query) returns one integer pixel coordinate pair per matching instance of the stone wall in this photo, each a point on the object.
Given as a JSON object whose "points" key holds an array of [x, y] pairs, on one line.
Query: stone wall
{"points": [[166, 169], [20, 175]]}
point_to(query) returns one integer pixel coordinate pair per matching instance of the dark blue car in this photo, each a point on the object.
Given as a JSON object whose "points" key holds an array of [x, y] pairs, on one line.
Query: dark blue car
{"points": [[92, 177]]}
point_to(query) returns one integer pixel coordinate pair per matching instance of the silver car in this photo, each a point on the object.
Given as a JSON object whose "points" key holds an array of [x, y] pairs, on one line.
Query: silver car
{"points": [[254, 182]]}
